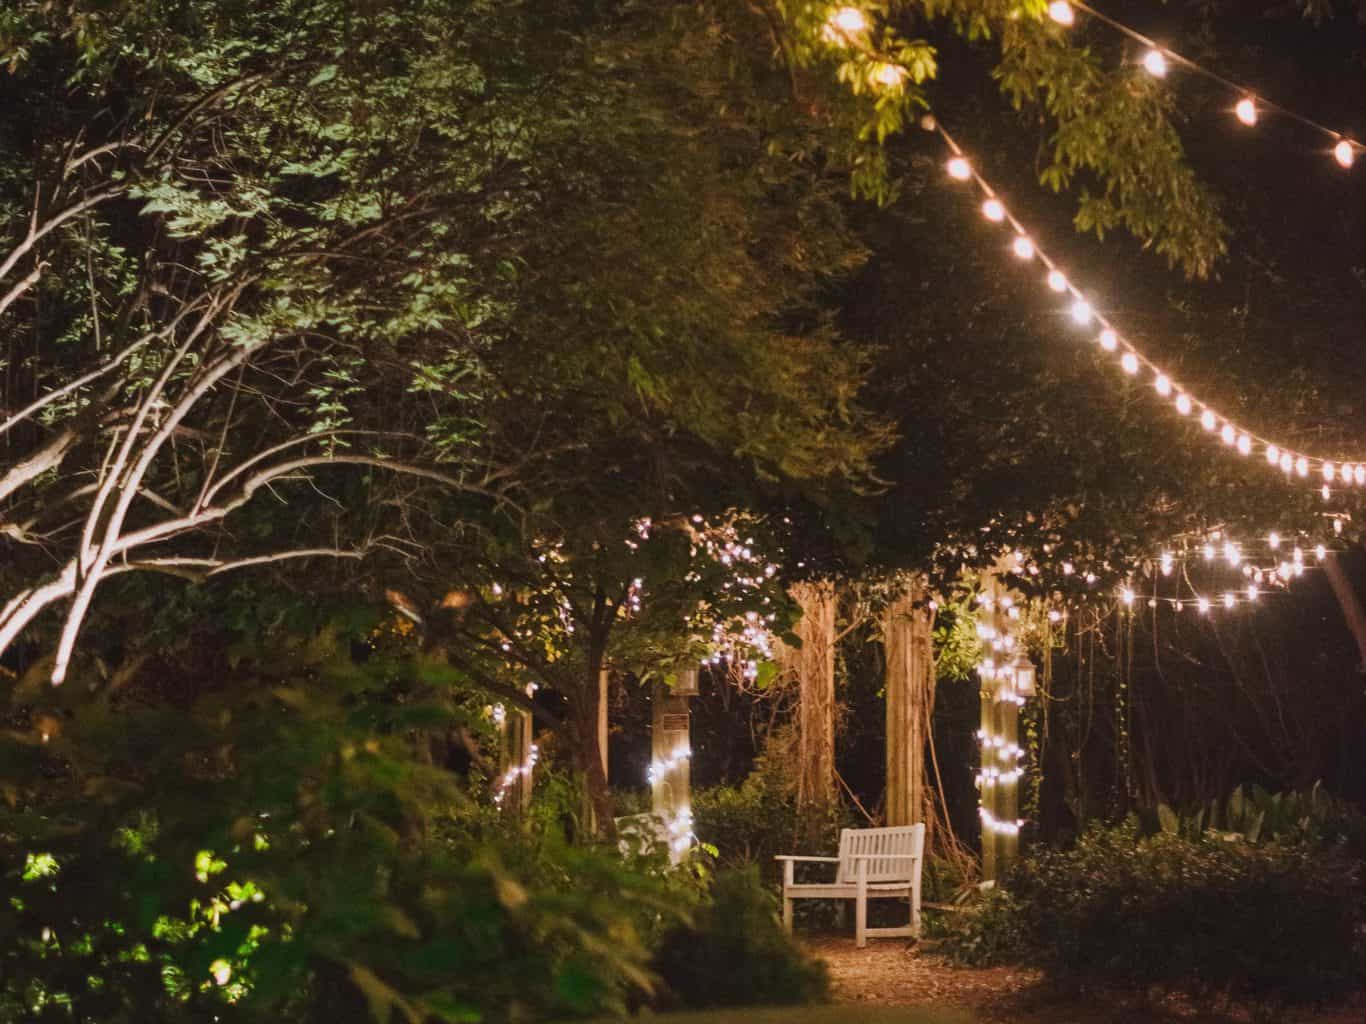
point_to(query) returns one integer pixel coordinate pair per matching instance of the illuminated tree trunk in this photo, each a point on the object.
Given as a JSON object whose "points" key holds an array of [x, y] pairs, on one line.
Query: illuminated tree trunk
{"points": [[909, 684], [998, 780], [670, 767], [813, 666], [516, 762]]}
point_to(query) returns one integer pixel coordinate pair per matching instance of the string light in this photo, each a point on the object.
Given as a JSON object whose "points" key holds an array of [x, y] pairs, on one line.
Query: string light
{"points": [[1248, 107], [522, 770], [661, 769], [1131, 360], [1061, 12], [991, 823]]}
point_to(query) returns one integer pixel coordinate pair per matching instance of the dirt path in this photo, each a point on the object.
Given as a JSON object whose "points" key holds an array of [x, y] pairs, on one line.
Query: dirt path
{"points": [[893, 973]]}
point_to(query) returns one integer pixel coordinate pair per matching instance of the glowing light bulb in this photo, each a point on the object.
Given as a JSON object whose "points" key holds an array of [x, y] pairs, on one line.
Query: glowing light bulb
{"points": [[1302, 466], [959, 169], [1345, 153], [1126, 595], [1320, 552], [1273, 454], [1208, 420], [1287, 463], [1081, 312], [1208, 552], [1203, 603], [1228, 435], [1056, 281], [1183, 404], [1273, 540], [1109, 340], [1347, 474], [1023, 247], [1155, 63], [1129, 362], [1163, 384], [1244, 445], [889, 75], [1229, 600], [1232, 554], [1167, 561], [1252, 591], [221, 972], [849, 20], [993, 210], [1359, 474], [1247, 111], [1337, 526], [1061, 12], [1324, 490]]}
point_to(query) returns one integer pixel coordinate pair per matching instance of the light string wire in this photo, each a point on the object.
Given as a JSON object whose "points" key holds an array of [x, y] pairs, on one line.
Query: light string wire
{"points": [[1059, 11], [1132, 361]]}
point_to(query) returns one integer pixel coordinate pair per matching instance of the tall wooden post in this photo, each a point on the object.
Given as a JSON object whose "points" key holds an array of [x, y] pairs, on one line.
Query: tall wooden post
{"points": [[909, 685], [813, 665], [604, 677], [517, 755], [520, 758], [670, 760]]}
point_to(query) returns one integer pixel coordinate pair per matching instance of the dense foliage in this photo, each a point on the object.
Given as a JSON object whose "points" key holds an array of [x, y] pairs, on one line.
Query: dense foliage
{"points": [[1209, 915]]}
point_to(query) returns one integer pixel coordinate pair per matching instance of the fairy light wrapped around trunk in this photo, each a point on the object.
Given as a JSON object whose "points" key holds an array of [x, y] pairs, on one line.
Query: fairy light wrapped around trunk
{"points": [[1007, 678]]}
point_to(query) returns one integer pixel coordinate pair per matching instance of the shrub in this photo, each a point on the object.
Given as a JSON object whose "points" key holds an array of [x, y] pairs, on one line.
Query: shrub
{"points": [[988, 931], [1204, 915], [735, 953]]}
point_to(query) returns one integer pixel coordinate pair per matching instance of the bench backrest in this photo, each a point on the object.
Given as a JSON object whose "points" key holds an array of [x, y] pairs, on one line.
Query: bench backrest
{"points": [[906, 841]]}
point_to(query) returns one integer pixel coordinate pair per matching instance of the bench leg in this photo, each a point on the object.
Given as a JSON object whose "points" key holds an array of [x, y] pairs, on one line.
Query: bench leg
{"points": [[789, 877], [861, 907]]}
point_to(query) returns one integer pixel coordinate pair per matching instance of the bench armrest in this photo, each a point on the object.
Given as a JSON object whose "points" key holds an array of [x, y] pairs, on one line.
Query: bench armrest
{"points": [[820, 860]]}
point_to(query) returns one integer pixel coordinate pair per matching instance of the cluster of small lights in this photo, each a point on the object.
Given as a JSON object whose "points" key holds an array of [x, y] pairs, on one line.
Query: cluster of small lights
{"points": [[661, 768], [1247, 108], [681, 835], [514, 773], [1006, 671], [849, 25], [991, 823]]}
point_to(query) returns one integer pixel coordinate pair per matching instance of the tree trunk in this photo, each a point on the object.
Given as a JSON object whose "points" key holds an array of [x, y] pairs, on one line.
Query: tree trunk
{"points": [[909, 681], [590, 752], [813, 665]]}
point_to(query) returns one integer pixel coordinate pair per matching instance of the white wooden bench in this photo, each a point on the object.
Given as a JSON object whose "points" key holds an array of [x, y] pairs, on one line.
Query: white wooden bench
{"points": [[874, 863]]}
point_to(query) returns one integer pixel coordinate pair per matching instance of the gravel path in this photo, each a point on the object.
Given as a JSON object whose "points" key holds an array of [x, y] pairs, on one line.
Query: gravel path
{"points": [[894, 973]]}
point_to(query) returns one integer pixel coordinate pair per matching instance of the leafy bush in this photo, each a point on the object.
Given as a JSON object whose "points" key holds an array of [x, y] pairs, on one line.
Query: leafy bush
{"points": [[755, 821], [302, 861], [1201, 915], [988, 930], [735, 953]]}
